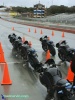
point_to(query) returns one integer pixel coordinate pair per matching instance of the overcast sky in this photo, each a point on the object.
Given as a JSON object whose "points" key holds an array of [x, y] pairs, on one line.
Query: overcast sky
{"points": [[30, 3]]}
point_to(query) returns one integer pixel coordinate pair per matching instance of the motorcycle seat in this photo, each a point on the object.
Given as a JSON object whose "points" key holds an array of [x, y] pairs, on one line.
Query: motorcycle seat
{"points": [[56, 78], [61, 82], [55, 73]]}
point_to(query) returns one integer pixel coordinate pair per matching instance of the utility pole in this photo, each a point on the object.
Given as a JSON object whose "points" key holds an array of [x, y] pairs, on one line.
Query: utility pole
{"points": [[39, 1], [52, 2], [3, 3]]}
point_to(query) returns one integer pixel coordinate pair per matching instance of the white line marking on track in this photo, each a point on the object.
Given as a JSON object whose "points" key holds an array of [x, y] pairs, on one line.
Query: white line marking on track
{"points": [[12, 63]]}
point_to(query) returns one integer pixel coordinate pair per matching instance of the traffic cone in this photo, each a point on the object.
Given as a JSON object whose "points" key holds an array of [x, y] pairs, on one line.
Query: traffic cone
{"points": [[41, 32], [35, 31], [52, 33], [48, 56], [30, 44], [23, 39], [63, 34], [1, 50], [29, 30], [70, 75], [12, 28], [6, 77], [2, 59]]}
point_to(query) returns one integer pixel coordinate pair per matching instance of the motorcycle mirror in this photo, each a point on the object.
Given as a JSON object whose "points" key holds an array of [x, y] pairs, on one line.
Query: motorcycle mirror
{"points": [[14, 34], [26, 42], [40, 39], [19, 37], [57, 45], [45, 36], [9, 36]]}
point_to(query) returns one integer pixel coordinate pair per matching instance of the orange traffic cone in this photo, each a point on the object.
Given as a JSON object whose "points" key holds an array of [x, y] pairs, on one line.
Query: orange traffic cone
{"points": [[30, 43], [29, 30], [2, 59], [12, 28], [35, 31], [6, 77], [48, 55], [63, 34], [41, 32], [70, 75], [23, 39], [1, 50], [52, 33]]}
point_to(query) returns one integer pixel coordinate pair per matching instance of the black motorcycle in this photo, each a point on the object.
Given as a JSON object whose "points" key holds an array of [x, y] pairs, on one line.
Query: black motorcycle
{"points": [[24, 50], [12, 37], [65, 53], [57, 87], [15, 40], [28, 53], [48, 45]]}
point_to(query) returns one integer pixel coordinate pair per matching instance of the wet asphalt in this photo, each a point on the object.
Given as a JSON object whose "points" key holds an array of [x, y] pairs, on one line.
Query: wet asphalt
{"points": [[25, 81]]}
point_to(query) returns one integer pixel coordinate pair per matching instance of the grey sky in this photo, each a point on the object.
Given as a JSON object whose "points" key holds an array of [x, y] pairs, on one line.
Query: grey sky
{"points": [[30, 3]]}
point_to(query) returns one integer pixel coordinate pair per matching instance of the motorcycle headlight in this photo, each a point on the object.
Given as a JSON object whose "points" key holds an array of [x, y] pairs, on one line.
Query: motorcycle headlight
{"points": [[60, 92]]}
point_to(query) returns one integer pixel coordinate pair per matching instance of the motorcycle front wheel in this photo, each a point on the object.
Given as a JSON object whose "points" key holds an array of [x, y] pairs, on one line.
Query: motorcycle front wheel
{"points": [[61, 56], [52, 51], [45, 47], [33, 61]]}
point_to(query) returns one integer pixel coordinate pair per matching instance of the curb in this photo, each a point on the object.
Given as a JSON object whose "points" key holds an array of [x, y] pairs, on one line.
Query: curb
{"points": [[45, 27]]}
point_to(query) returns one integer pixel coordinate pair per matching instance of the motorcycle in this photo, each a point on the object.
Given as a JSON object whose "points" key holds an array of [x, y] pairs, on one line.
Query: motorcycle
{"points": [[24, 50], [57, 87], [14, 40], [48, 45], [29, 54], [65, 53]]}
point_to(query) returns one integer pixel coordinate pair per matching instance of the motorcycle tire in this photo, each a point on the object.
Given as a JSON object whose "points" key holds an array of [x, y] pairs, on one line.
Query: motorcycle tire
{"points": [[60, 56], [52, 51], [45, 48], [33, 61], [56, 97], [48, 97]]}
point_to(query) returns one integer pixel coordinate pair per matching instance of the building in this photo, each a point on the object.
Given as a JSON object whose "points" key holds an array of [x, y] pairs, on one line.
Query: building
{"points": [[3, 9], [27, 14], [39, 10]]}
